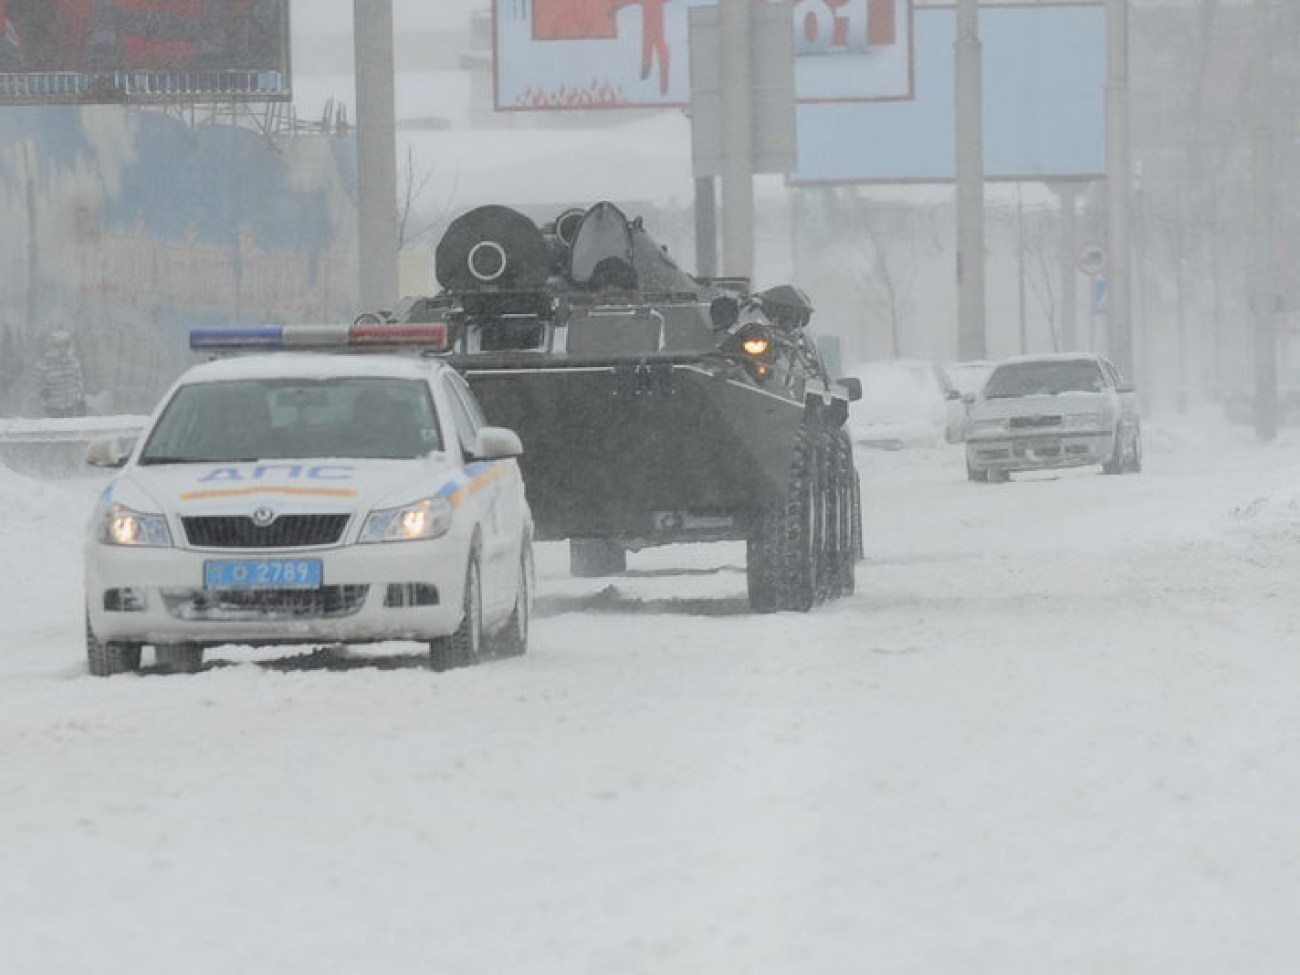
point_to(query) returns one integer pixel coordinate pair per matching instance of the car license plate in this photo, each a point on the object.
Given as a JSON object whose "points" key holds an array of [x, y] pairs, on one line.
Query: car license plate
{"points": [[262, 574]]}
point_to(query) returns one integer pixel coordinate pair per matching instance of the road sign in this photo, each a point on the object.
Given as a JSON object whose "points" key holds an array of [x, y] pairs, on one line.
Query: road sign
{"points": [[1092, 259]]}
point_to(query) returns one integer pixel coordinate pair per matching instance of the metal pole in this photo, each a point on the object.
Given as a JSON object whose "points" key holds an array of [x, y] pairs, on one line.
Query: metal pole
{"points": [[1020, 268], [1119, 274], [376, 153], [706, 227], [735, 25], [1069, 248], [1265, 300], [969, 102]]}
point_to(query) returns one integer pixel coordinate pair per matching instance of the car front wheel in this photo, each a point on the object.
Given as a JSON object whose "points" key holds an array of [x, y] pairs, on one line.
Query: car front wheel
{"points": [[463, 647], [104, 658]]}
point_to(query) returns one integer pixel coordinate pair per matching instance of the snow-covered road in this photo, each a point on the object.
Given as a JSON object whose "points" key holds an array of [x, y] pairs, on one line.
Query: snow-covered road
{"points": [[1055, 731]]}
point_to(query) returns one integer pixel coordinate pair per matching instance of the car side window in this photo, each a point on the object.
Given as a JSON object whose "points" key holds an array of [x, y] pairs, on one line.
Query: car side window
{"points": [[1111, 374], [465, 415]]}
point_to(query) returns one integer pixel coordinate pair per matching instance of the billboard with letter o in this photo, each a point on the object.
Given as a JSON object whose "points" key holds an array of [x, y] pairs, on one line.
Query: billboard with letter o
{"points": [[557, 54], [100, 51]]}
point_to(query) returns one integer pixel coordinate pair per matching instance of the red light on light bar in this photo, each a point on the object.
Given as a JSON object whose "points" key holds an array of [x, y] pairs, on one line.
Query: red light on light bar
{"points": [[435, 335]]}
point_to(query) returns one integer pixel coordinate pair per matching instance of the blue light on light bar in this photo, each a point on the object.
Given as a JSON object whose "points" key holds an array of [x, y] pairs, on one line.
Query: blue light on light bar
{"points": [[260, 337], [432, 335]]}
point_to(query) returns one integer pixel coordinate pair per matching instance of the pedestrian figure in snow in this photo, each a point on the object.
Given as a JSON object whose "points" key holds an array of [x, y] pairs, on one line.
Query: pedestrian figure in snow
{"points": [[59, 380]]}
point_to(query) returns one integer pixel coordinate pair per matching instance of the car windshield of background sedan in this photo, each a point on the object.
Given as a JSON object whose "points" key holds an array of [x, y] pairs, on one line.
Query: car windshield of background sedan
{"points": [[256, 419], [1044, 378]]}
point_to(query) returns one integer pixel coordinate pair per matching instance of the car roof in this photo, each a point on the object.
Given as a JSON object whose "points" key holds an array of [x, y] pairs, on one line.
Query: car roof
{"points": [[312, 365]]}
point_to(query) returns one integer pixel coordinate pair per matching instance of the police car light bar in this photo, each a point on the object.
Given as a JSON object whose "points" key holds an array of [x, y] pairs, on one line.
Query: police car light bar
{"points": [[306, 337]]}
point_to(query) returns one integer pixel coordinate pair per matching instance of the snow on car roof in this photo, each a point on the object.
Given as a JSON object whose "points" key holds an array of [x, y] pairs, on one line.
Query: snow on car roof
{"points": [[1053, 357], [312, 365]]}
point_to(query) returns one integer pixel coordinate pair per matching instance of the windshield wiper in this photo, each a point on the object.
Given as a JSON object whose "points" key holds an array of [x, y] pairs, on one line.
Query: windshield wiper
{"points": [[198, 460]]}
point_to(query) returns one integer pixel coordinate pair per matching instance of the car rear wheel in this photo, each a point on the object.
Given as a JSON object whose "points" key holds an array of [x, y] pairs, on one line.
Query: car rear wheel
{"points": [[179, 658], [104, 658], [463, 647], [976, 473]]}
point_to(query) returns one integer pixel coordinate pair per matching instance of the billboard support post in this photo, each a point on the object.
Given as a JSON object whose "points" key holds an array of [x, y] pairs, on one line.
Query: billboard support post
{"points": [[1118, 178], [376, 153], [1068, 195], [970, 183], [737, 139]]}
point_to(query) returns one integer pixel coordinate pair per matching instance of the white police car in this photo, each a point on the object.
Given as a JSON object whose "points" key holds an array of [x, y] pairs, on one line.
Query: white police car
{"points": [[299, 497]]}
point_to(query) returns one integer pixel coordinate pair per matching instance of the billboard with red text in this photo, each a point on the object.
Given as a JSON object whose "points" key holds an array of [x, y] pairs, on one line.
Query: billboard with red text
{"points": [[635, 53], [89, 51]]}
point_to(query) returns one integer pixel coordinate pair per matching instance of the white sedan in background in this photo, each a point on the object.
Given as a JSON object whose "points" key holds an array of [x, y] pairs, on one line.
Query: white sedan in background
{"points": [[301, 497], [1039, 412]]}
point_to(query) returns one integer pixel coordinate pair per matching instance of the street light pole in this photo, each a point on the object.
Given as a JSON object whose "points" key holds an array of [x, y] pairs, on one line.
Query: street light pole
{"points": [[1119, 274], [376, 153], [969, 102]]}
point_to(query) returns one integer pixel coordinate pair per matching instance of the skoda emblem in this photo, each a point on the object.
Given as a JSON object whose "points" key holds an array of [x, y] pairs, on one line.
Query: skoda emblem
{"points": [[263, 517]]}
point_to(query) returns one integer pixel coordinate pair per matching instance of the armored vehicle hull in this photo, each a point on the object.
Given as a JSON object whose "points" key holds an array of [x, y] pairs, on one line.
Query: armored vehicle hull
{"points": [[654, 408]]}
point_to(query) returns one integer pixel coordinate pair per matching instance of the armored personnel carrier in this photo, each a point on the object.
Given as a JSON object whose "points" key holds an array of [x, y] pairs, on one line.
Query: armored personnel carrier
{"points": [[654, 407]]}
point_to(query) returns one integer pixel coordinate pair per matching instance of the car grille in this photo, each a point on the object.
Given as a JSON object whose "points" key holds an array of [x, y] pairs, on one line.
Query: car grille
{"points": [[227, 605], [1033, 422], [287, 531]]}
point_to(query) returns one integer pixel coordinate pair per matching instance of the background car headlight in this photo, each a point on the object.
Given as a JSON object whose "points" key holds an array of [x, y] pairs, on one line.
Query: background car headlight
{"points": [[122, 526], [1090, 421], [429, 518]]}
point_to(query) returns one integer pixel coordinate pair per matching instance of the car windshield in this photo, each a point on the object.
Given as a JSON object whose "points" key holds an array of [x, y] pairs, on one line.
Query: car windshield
{"points": [[259, 419], [1039, 378]]}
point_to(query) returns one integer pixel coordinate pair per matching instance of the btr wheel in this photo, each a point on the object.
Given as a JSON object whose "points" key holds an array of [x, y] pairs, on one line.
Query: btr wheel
{"points": [[802, 542], [465, 646]]}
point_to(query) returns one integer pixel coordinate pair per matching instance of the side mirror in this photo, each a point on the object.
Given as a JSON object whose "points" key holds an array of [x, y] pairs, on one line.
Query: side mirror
{"points": [[968, 398], [1126, 388], [109, 451], [496, 443], [851, 385], [724, 313], [952, 394]]}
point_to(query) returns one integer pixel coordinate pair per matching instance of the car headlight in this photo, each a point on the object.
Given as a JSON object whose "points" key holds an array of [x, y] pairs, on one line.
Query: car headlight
{"points": [[988, 426], [119, 525], [1081, 421], [428, 518]]}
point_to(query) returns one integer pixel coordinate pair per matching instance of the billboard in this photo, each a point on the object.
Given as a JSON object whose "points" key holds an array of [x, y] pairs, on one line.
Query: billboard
{"points": [[1044, 104], [559, 54], [101, 51]]}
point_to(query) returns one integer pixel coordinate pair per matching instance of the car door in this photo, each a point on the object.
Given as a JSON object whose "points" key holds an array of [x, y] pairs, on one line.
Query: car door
{"points": [[1126, 399], [492, 486]]}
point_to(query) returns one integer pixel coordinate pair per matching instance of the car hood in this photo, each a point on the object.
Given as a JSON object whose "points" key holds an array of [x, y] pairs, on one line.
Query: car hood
{"points": [[288, 487], [1038, 405]]}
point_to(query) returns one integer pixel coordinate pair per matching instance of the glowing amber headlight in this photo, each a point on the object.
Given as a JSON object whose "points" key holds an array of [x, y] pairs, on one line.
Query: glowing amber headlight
{"points": [[756, 345]]}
